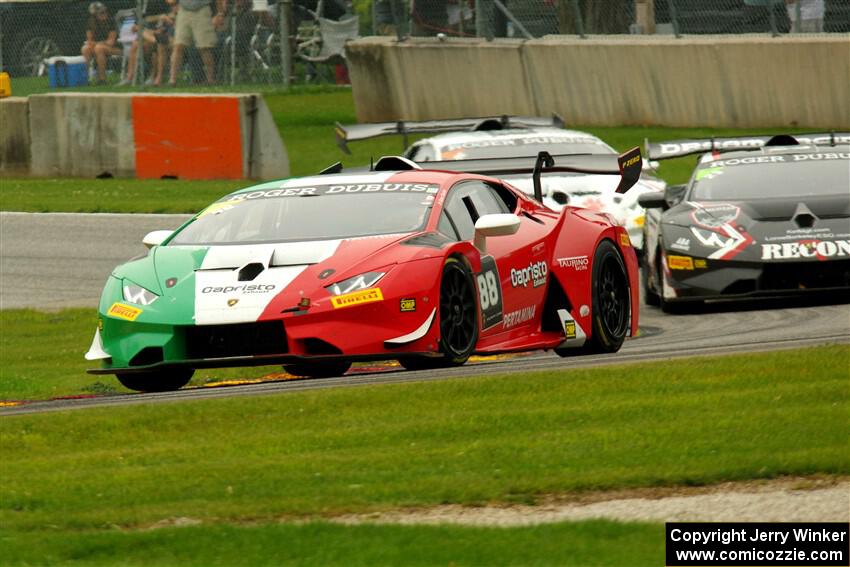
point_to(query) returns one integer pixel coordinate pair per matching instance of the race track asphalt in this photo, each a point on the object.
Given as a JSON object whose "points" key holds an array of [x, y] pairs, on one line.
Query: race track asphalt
{"points": [[51, 261]]}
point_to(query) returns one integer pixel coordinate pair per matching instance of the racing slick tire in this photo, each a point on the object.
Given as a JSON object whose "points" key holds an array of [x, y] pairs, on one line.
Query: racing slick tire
{"points": [[610, 300], [157, 380], [318, 369], [458, 320]]}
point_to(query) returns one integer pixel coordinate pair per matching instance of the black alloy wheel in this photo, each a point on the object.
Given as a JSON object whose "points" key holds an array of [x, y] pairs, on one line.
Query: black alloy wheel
{"points": [[458, 320], [611, 300]]}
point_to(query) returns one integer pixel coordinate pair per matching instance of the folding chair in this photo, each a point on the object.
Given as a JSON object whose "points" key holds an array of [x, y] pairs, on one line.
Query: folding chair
{"points": [[334, 35]]}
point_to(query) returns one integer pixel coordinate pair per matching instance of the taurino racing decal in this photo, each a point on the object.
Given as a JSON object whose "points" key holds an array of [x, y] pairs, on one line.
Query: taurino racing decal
{"points": [[489, 292], [578, 263]]}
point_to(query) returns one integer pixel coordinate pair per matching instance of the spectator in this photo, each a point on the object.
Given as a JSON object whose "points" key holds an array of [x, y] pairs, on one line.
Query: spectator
{"points": [[196, 25], [128, 35], [810, 15], [164, 35], [100, 39]]}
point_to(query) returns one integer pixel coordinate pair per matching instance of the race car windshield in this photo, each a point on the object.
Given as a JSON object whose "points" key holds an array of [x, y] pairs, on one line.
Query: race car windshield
{"points": [[778, 179], [270, 216], [513, 148]]}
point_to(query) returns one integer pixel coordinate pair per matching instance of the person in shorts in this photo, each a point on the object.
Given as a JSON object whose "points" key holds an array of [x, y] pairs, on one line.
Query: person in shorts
{"points": [[195, 25], [101, 36]]}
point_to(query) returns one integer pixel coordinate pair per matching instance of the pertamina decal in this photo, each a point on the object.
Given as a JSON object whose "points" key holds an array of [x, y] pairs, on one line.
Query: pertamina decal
{"points": [[357, 298], [514, 318], [122, 311], [680, 262], [820, 249]]}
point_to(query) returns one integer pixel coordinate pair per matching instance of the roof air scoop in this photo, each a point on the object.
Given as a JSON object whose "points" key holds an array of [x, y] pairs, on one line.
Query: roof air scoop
{"points": [[250, 271], [803, 217]]}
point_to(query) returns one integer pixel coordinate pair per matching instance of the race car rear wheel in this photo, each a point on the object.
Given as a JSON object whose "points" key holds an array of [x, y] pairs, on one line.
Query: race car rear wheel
{"points": [[156, 381], [611, 300], [318, 369], [458, 320]]}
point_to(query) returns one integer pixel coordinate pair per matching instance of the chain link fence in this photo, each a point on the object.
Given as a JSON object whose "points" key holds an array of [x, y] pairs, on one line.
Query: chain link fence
{"points": [[138, 36]]}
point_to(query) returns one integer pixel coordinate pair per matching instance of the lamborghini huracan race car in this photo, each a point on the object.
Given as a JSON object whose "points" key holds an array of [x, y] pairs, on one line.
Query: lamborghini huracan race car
{"points": [[761, 215], [516, 136], [427, 267]]}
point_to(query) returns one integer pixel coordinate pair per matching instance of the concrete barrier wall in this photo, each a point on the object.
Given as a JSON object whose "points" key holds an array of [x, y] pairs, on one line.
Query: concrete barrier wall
{"points": [[14, 136], [734, 82], [142, 135]]}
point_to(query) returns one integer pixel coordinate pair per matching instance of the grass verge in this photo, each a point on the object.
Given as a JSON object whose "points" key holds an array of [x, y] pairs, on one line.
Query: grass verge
{"points": [[41, 356], [305, 118], [470, 441], [583, 543]]}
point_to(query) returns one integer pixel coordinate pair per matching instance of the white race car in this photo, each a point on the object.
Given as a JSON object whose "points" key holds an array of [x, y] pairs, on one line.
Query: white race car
{"points": [[510, 136]]}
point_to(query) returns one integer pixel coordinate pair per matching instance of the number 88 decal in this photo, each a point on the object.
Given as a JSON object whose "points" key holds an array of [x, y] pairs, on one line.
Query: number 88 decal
{"points": [[489, 292]]}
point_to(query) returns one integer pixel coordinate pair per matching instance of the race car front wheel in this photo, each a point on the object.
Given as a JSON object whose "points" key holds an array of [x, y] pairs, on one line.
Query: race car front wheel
{"points": [[610, 312], [156, 381], [458, 320], [319, 368]]}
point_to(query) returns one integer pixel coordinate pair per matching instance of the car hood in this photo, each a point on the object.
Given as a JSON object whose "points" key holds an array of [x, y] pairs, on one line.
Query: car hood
{"points": [[232, 283], [812, 228]]}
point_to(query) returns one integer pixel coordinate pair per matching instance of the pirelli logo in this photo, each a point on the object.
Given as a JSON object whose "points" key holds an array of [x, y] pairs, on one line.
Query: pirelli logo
{"points": [[357, 298], [680, 262], [126, 312]]}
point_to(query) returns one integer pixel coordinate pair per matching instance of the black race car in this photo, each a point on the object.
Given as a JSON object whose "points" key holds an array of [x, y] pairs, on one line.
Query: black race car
{"points": [[761, 216]]}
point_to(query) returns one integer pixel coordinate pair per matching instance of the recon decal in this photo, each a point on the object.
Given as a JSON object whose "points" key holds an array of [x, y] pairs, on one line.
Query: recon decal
{"points": [[713, 216], [122, 311], [682, 244], [357, 298], [489, 292], [523, 315], [534, 273], [680, 262], [407, 305], [334, 190], [578, 263], [820, 249]]}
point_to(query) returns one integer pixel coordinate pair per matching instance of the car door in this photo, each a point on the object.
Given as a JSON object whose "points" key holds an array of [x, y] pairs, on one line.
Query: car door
{"points": [[513, 276]]}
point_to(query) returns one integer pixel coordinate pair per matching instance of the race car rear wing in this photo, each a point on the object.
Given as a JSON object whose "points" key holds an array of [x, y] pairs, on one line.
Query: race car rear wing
{"points": [[679, 148], [627, 166], [356, 132]]}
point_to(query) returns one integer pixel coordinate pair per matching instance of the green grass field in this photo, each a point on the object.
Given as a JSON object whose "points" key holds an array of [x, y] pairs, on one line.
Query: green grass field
{"points": [[91, 481], [305, 118]]}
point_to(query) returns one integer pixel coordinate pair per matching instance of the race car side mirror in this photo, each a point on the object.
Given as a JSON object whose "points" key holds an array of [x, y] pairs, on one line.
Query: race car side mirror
{"points": [[494, 225], [156, 237], [654, 200]]}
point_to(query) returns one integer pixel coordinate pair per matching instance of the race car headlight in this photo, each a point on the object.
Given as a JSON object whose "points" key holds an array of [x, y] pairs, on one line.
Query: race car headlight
{"points": [[137, 294], [356, 283]]}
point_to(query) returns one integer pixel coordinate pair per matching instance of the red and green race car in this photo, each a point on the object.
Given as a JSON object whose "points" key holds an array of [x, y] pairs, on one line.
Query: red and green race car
{"points": [[424, 266]]}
